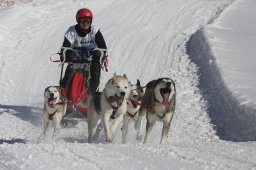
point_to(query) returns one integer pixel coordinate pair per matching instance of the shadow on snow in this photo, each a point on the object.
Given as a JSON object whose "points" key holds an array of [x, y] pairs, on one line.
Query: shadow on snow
{"points": [[26, 113], [12, 141]]}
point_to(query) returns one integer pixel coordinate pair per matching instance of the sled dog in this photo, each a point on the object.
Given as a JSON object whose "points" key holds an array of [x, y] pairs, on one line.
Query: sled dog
{"points": [[112, 104], [54, 109], [133, 105], [158, 104]]}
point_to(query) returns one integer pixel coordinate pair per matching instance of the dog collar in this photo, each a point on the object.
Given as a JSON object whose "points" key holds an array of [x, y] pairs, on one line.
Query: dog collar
{"points": [[132, 115], [50, 116]]}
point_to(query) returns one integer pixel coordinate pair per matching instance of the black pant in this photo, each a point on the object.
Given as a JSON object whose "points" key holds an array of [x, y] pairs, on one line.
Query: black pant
{"points": [[95, 69], [65, 82]]}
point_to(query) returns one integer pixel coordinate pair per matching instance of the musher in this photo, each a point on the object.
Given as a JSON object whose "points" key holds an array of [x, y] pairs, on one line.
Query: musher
{"points": [[88, 44]]}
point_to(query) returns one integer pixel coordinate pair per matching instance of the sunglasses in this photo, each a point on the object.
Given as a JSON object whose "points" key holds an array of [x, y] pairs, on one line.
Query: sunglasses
{"points": [[84, 20]]}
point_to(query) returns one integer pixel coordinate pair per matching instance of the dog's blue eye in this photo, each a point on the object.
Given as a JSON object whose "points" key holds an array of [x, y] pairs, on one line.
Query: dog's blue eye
{"points": [[125, 87]]}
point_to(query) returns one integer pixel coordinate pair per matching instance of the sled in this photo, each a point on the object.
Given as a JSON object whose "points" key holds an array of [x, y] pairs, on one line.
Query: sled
{"points": [[78, 87]]}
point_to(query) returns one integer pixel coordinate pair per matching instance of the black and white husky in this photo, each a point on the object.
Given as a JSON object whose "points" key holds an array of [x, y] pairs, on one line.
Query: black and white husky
{"points": [[54, 109], [158, 104]]}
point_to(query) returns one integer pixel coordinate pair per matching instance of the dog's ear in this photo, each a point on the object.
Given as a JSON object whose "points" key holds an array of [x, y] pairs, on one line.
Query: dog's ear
{"points": [[139, 86], [110, 81], [130, 84], [114, 76], [125, 76], [173, 83], [47, 88], [138, 83]]}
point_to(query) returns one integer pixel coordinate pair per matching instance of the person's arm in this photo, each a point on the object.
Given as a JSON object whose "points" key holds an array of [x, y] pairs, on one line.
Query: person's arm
{"points": [[100, 40], [66, 43], [102, 44], [68, 53]]}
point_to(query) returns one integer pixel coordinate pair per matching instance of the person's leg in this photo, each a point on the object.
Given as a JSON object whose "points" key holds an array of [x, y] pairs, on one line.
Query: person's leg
{"points": [[95, 70], [65, 82], [94, 82]]}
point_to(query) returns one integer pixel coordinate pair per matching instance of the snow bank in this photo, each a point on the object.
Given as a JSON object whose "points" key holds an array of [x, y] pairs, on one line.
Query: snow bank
{"points": [[232, 121]]}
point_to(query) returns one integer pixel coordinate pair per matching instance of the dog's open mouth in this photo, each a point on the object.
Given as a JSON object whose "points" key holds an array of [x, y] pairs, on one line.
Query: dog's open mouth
{"points": [[135, 101], [51, 101], [165, 92], [134, 104], [119, 99]]}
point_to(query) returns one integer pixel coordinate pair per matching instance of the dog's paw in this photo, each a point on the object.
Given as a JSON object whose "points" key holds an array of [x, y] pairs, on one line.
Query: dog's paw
{"points": [[96, 137], [109, 140], [90, 140], [41, 138], [138, 137]]}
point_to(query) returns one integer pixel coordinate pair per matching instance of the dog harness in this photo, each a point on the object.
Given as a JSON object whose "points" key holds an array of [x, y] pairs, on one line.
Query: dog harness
{"points": [[118, 100], [50, 115], [135, 103]]}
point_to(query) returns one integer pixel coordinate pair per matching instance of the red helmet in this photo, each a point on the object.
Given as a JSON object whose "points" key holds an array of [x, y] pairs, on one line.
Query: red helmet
{"points": [[84, 12]]}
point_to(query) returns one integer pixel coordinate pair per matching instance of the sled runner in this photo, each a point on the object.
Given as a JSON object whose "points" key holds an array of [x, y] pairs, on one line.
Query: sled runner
{"points": [[78, 60]]}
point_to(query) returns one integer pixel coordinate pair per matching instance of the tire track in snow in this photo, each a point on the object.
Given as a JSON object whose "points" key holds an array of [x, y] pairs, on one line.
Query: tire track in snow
{"points": [[9, 161]]}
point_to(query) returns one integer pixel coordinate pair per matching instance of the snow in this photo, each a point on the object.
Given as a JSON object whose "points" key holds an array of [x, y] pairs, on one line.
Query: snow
{"points": [[205, 46]]}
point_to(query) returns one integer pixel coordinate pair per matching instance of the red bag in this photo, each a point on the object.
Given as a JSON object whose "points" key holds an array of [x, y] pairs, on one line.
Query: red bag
{"points": [[77, 91]]}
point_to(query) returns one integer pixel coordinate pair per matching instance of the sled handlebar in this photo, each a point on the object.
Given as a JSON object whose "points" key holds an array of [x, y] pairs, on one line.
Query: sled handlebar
{"points": [[103, 52], [64, 49]]}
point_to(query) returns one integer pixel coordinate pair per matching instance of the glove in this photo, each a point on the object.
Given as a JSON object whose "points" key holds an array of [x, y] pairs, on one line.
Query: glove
{"points": [[105, 63]]}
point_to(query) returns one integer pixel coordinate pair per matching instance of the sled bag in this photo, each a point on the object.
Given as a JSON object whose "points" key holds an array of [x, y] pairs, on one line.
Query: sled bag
{"points": [[76, 90]]}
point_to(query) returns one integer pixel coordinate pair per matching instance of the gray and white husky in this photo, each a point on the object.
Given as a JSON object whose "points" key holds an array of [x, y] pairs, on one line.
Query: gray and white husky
{"points": [[133, 106], [112, 104], [158, 104]]}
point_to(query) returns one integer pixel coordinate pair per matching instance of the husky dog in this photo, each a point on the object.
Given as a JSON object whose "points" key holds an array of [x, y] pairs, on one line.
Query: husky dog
{"points": [[133, 105], [158, 104], [54, 109], [112, 104]]}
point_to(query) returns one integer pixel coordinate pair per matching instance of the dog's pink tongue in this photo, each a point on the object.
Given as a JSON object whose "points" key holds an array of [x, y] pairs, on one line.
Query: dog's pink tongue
{"points": [[51, 102], [165, 99]]}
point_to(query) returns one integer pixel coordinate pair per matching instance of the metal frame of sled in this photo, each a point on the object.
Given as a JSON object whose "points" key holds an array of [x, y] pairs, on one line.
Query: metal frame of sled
{"points": [[73, 107]]}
